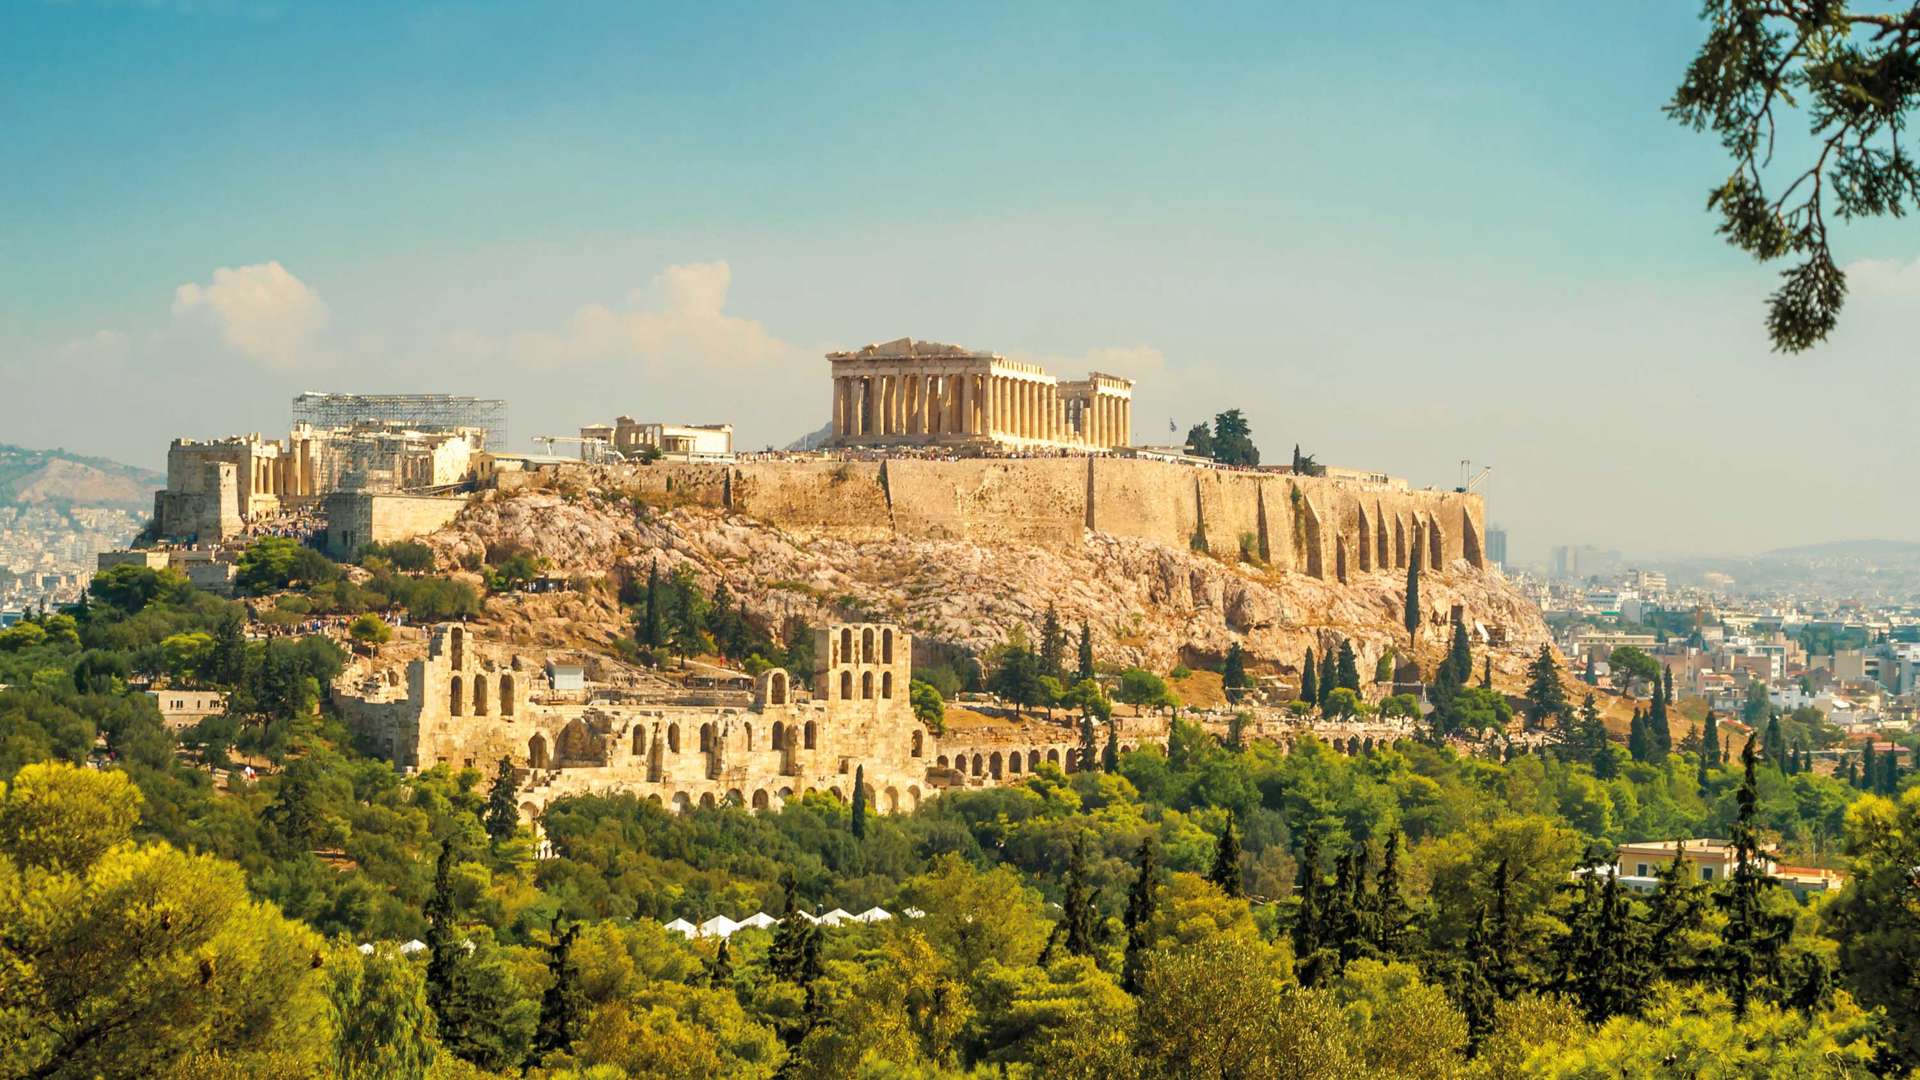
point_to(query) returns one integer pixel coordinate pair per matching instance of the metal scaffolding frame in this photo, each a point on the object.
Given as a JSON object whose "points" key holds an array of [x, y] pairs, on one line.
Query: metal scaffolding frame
{"points": [[425, 412]]}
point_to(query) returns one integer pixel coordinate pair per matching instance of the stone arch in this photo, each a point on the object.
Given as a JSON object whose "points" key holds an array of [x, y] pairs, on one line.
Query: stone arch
{"points": [[681, 804], [673, 738], [1013, 763], [1470, 541], [810, 734], [529, 812], [457, 697], [785, 793], [654, 798], [886, 685], [1310, 527], [846, 645], [537, 751], [994, 765], [706, 800], [1436, 544], [734, 798], [866, 685], [458, 638], [941, 761], [886, 646], [913, 797], [779, 735], [479, 695], [747, 730], [506, 695], [1399, 542], [846, 686], [1365, 547], [835, 792], [777, 688], [892, 800], [1073, 761], [1033, 761], [706, 738], [760, 801], [1053, 755], [979, 764], [639, 740], [866, 645], [919, 743]]}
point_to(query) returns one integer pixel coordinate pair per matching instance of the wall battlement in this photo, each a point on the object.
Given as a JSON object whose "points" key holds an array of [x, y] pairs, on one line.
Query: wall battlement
{"points": [[1324, 527]]}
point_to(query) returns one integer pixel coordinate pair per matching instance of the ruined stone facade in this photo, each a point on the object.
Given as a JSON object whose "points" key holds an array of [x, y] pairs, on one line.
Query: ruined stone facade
{"points": [[214, 488], [909, 392], [468, 709]]}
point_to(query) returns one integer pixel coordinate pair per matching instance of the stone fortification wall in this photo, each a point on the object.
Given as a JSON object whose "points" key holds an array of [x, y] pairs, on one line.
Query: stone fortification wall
{"points": [[1039, 501], [358, 518], [1324, 527]]}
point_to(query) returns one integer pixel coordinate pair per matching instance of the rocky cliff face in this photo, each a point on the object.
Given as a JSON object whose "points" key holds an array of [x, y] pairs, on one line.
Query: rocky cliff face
{"points": [[1147, 603]]}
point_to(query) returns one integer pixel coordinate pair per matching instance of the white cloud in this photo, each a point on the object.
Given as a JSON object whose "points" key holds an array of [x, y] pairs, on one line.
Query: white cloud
{"points": [[260, 311], [680, 321], [1885, 277]]}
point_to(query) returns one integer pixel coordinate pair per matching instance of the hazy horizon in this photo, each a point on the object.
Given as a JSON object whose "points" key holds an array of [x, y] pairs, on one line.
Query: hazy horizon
{"points": [[1398, 236]]}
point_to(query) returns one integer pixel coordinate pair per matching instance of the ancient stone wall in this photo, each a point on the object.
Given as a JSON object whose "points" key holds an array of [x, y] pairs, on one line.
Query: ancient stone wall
{"points": [[358, 518], [845, 499], [1041, 501]]}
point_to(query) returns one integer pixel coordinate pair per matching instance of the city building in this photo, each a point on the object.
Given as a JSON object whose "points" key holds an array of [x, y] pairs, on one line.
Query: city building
{"points": [[1497, 545]]}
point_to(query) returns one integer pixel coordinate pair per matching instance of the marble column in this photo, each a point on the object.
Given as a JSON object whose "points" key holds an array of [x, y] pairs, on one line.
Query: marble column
{"points": [[1126, 421], [870, 408]]}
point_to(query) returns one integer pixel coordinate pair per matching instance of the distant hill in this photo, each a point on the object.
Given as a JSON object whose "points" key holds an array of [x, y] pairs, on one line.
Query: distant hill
{"points": [[1861, 549], [60, 480], [812, 440]]}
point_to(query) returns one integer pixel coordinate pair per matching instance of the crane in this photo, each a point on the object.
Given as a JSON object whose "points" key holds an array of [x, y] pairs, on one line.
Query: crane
{"points": [[1469, 484]]}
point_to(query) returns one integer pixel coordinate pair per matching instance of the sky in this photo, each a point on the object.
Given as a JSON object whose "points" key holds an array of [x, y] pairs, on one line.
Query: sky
{"points": [[1398, 234]]}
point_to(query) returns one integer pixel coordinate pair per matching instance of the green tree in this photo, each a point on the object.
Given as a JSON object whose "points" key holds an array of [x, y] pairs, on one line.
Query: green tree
{"points": [[378, 1006], [928, 706], [503, 810], [1053, 645], [370, 629], [563, 1004], [1851, 69], [1142, 688], [1233, 675], [1142, 900], [1084, 671], [1710, 740], [859, 819], [1410, 607], [1200, 441], [1875, 920], [1748, 960], [1077, 913], [1635, 664], [1233, 440], [1017, 679], [653, 616], [1546, 697], [1346, 669], [1309, 681], [1226, 861]]}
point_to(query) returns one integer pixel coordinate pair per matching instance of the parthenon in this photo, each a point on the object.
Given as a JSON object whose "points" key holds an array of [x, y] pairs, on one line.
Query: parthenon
{"points": [[909, 392]]}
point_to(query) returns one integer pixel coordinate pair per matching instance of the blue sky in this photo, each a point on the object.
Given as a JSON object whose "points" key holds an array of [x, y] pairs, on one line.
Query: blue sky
{"points": [[1400, 234]]}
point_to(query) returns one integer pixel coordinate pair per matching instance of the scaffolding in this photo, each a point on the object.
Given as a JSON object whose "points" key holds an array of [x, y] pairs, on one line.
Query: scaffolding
{"points": [[422, 412]]}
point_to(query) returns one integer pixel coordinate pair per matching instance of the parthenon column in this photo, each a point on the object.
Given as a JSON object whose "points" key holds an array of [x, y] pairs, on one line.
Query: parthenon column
{"points": [[870, 408], [1029, 395], [1126, 421], [839, 406]]}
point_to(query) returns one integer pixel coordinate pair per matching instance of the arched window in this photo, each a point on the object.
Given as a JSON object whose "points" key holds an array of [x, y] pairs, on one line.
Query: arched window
{"points": [[457, 697], [458, 635], [866, 645], [1013, 762], [779, 730], [918, 744], [886, 684], [810, 734], [639, 740], [537, 751], [506, 695], [993, 764], [1033, 760], [979, 764], [706, 738], [866, 684], [479, 695], [886, 646], [777, 689], [846, 645], [673, 737], [846, 686], [1073, 760], [941, 761], [748, 730]]}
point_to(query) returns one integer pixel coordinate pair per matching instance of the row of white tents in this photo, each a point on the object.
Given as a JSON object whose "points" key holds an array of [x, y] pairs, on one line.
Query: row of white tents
{"points": [[721, 926]]}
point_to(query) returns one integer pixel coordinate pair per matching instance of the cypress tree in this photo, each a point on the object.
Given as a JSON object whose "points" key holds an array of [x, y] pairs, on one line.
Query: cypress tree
{"points": [[859, 802], [1675, 910], [1309, 923], [1748, 962], [1459, 655], [1392, 916], [503, 812], [1085, 670], [1869, 768], [1233, 674], [1659, 733], [785, 954], [564, 1001], [1592, 675], [1666, 683], [1110, 757], [1853, 772], [1347, 671], [1776, 744], [1486, 672], [653, 632], [1710, 741], [1309, 681], [1546, 698], [1142, 900], [1411, 608], [1475, 990], [1503, 940], [1089, 749], [1226, 860], [1077, 914], [1329, 676], [1639, 743], [720, 973], [443, 952], [1053, 645]]}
